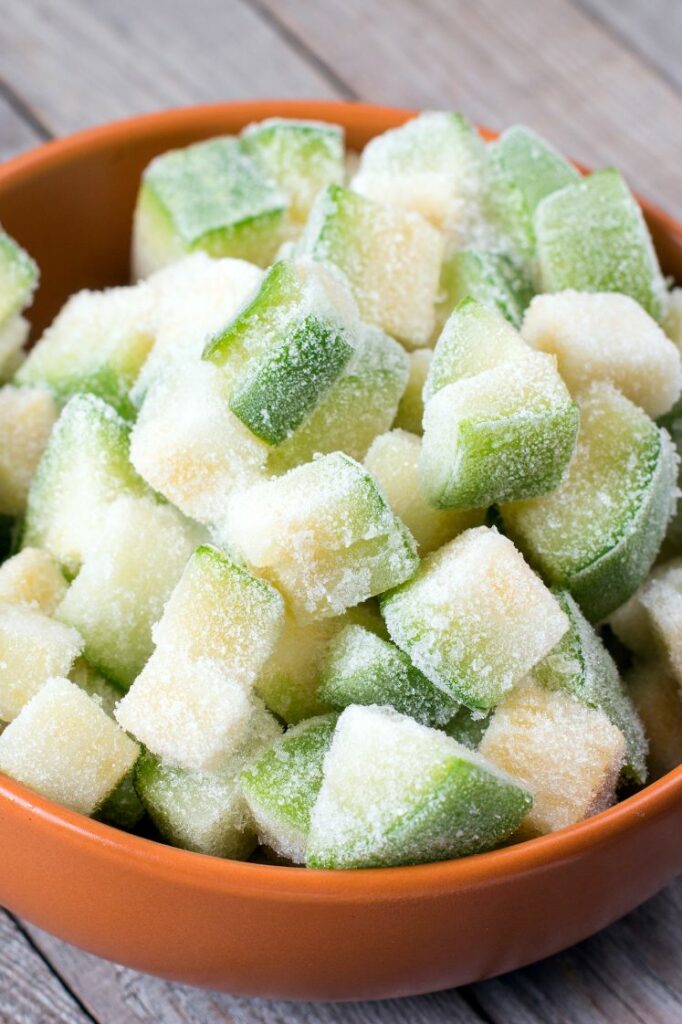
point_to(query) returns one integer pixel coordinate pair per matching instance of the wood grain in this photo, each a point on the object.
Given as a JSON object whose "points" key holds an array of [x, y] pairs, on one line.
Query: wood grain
{"points": [[16, 133], [652, 28], [29, 991]]}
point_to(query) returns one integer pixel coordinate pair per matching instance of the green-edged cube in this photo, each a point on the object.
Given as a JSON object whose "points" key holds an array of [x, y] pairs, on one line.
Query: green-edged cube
{"points": [[489, 277], [18, 278], [27, 416], [410, 412]]}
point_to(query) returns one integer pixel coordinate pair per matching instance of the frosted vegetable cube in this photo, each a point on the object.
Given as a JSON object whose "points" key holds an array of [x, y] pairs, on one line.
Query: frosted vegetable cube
{"points": [[27, 416], [390, 256], [324, 535], [32, 577], [97, 343], [32, 649], [633, 623], [282, 785], [362, 668], [300, 157], [411, 408], [102, 690], [129, 571], [581, 665], [433, 165], [393, 461], [123, 807], [672, 320], [503, 434], [490, 278], [467, 726], [592, 237], [360, 405], [396, 792], [607, 337], [656, 696], [661, 601], [284, 350], [208, 196], [189, 301], [83, 469], [66, 748], [567, 755], [475, 619], [598, 533], [205, 811], [521, 169], [289, 680], [13, 337], [220, 611], [18, 278], [190, 447]]}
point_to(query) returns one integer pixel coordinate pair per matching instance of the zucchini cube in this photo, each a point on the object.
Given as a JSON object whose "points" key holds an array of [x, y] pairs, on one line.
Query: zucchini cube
{"points": [[324, 535], [567, 755], [18, 278], [475, 619], [13, 337], [207, 196], [489, 277], [391, 257], [27, 416], [655, 693], [32, 577], [33, 648], [410, 412], [396, 792], [393, 461], [607, 337], [599, 532], [66, 748], [592, 237]]}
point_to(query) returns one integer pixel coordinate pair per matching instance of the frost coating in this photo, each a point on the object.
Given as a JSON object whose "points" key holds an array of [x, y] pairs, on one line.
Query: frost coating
{"points": [[27, 416], [475, 619], [32, 577], [411, 408]]}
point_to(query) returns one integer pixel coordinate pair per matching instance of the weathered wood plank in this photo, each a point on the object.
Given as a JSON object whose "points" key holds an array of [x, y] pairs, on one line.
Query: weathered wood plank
{"points": [[85, 61], [652, 29], [29, 992], [15, 132], [116, 995], [548, 64]]}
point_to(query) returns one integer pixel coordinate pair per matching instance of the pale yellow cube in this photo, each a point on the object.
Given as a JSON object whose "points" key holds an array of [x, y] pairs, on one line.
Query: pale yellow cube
{"points": [[658, 700], [27, 416], [410, 413], [13, 336], [32, 577]]}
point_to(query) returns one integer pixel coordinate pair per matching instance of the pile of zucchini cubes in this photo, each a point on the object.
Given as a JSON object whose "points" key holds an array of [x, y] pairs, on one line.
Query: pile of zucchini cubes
{"points": [[330, 540]]}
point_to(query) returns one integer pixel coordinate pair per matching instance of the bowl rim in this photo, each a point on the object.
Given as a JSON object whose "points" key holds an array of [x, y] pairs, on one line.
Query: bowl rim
{"points": [[290, 883]]}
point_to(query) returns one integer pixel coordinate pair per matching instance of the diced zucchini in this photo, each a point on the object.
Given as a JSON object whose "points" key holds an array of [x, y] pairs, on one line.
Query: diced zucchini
{"points": [[411, 408], [598, 533], [102, 690], [396, 792], [390, 256], [567, 755], [672, 319], [324, 535], [123, 807], [490, 278], [18, 278], [13, 337], [656, 695], [467, 726], [32, 577], [27, 416], [592, 237]]}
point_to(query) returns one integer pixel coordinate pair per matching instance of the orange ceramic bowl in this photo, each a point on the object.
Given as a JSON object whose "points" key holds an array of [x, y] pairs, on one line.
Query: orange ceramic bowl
{"points": [[253, 928]]}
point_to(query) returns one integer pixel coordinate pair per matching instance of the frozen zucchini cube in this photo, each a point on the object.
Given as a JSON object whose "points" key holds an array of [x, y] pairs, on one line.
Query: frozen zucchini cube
{"points": [[607, 337], [581, 665], [396, 792], [18, 278], [390, 256], [490, 278], [475, 619], [284, 350], [661, 602], [205, 811], [128, 574], [190, 301], [467, 726], [97, 344], [635, 622], [567, 755], [433, 164], [123, 807], [362, 668], [32, 577], [598, 533], [66, 748], [592, 237], [282, 785], [672, 319], [102, 690], [656, 696], [521, 169], [32, 649], [13, 337], [27, 416], [393, 461], [411, 407], [84, 467], [190, 447], [324, 535], [300, 157], [361, 404], [208, 196], [503, 434], [220, 611]]}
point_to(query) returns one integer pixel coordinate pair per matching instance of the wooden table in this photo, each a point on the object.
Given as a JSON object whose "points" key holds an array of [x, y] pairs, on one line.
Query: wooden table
{"points": [[603, 80]]}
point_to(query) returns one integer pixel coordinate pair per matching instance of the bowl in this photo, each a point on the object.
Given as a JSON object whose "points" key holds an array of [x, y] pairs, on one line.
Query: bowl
{"points": [[260, 929]]}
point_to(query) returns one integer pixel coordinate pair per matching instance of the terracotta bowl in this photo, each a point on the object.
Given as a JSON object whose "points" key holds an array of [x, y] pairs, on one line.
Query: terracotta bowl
{"points": [[253, 928]]}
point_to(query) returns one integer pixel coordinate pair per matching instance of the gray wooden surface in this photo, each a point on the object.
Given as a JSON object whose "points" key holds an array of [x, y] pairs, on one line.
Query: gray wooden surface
{"points": [[603, 80]]}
